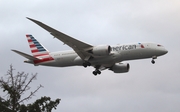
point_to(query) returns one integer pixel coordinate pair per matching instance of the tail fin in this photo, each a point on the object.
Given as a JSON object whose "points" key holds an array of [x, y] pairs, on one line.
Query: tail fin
{"points": [[37, 49]]}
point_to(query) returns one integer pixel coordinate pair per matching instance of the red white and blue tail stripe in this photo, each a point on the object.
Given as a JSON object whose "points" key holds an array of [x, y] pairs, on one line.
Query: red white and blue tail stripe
{"points": [[38, 50]]}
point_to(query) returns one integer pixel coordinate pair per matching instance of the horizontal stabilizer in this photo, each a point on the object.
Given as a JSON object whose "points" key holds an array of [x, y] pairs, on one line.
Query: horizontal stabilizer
{"points": [[25, 55]]}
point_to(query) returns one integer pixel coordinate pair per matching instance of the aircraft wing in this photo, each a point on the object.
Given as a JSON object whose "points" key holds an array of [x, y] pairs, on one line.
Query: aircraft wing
{"points": [[79, 47]]}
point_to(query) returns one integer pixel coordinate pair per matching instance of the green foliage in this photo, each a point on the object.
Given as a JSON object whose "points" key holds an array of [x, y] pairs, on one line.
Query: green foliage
{"points": [[14, 87], [44, 104]]}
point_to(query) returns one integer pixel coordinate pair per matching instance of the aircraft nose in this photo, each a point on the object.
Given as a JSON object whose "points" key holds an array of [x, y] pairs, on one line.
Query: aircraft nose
{"points": [[164, 51]]}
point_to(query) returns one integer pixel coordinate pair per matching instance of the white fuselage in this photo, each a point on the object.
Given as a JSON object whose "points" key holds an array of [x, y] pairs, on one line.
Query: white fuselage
{"points": [[118, 53]]}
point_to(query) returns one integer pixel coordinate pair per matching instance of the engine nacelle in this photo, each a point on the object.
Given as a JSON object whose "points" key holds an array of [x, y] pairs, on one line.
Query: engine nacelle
{"points": [[101, 50], [120, 67]]}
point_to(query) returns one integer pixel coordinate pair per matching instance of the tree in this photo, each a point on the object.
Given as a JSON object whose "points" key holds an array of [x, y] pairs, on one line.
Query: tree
{"points": [[15, 86]]}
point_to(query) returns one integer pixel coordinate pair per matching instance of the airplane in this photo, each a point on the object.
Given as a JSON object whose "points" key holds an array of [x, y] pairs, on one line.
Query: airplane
{"points": [[101, 57]]}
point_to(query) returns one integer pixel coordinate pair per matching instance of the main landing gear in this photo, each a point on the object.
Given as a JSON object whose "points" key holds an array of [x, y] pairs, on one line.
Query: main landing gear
{"points": [[154, 57], [96, 72], [85, 64]]}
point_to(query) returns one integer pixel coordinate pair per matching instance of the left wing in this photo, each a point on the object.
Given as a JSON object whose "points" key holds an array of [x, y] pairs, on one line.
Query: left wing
{"points": [[79, 47]]}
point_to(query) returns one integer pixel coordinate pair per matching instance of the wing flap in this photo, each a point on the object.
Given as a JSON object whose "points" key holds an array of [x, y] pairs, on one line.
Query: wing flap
{"points": [[25, 55]]}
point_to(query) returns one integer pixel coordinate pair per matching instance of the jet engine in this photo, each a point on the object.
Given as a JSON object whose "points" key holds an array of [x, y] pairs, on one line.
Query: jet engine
{"points": [[101, 50], [120, 67]]}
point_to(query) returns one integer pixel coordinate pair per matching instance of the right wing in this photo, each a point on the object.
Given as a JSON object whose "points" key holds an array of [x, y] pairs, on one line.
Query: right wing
{"points": [[79, 47]]}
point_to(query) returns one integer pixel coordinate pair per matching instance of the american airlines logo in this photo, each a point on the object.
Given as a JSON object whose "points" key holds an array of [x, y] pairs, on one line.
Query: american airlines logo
{"points": [[124, 47]]}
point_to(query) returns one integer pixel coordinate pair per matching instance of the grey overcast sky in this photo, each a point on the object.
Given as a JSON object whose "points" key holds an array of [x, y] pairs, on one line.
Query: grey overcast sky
{"points": [[145, 88]]}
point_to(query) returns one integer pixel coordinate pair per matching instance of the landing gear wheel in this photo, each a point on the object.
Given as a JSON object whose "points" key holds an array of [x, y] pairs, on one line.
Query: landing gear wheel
{"points": [[154, 57], [95, 73], [99, 72], [86, 64], [153, 62]]}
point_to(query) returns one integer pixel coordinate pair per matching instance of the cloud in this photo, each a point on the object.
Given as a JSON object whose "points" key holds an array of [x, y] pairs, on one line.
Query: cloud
{"points": [[146, 87]]}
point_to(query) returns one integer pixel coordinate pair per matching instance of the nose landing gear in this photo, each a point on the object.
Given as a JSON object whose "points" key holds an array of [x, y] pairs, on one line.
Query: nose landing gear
{"points": [[153, 62], [154, 57]]}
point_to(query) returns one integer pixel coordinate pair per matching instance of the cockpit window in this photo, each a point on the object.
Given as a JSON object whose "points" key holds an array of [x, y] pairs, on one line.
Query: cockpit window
{"points": [[159, 45]]}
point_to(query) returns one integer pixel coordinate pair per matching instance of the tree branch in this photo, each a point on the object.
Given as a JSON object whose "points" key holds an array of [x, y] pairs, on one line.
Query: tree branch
{"points": [[15, 86], [31, 94], [27, 85], [10, 72]]}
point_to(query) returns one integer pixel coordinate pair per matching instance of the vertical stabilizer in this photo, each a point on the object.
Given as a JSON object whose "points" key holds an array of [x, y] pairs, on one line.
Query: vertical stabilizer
{"points": [[37, 49]]}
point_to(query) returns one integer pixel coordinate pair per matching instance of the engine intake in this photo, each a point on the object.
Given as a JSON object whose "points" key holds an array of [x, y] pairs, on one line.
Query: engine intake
{"points": [[120, 67], [101, 50]]}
